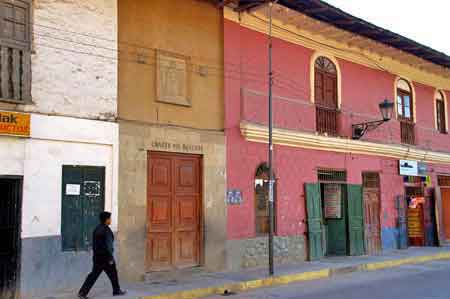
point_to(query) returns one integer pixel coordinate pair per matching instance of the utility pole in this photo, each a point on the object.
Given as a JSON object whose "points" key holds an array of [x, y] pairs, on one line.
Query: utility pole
{"points": [[271, 178]]}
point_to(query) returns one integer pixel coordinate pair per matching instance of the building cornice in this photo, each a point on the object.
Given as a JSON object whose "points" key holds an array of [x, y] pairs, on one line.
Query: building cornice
{"points": [[258, 133], [367, 57]]}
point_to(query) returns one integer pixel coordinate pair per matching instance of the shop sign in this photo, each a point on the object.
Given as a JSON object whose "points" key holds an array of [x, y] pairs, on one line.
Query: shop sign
{"points": [[412, 168], [332, 201], [234, 197], [14, 124]]}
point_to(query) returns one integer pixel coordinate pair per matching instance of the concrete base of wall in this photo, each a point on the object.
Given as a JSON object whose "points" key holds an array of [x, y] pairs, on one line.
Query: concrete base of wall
{"points": [[249, 253], [46, 268], [389, 238]]}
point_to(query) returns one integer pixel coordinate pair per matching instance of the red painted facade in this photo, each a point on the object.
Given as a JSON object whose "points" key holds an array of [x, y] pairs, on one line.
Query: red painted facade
{"points": [[362, 90]]}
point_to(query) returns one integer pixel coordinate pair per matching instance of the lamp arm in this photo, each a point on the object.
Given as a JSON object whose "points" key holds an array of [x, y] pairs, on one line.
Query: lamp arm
{"points": [[367, 126]]}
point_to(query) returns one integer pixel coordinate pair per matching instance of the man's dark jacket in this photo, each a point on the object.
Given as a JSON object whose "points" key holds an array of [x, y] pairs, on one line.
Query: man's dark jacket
{"points": [[103, 243]]}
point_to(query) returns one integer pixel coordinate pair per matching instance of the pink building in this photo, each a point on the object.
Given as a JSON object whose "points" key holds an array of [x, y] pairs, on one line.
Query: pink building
{"points": [[326, 79]]}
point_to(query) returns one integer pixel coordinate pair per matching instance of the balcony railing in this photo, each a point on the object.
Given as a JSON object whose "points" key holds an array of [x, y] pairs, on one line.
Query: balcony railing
{"points": [[15, 74], [327, 120], [407, 132]]}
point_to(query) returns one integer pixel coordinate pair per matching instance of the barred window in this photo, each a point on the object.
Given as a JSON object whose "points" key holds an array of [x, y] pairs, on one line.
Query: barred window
{"points": [[325, 96], [15, 54]]}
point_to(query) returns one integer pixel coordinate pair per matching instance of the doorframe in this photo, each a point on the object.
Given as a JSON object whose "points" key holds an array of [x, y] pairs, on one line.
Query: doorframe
{"points": [[202, 239], [17, 281]]}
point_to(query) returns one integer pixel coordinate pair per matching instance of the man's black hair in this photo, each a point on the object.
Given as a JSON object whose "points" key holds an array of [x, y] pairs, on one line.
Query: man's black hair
{"points": [[104, 216]]}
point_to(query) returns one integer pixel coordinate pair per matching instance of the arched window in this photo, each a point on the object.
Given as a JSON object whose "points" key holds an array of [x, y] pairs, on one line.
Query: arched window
{"points": [[404, 100], [441, 121], [326, 95], [405, 113], [262, 199]]}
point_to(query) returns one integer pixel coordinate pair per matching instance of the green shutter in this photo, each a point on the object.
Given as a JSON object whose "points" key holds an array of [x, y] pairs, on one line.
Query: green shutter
{"points": [[80, 212], [314, 210], [71, 214], [93, 187], [355, 219]]}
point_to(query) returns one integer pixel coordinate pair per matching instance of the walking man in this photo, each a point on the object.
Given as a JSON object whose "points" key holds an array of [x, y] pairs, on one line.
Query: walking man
{"points": [[103, 259]]}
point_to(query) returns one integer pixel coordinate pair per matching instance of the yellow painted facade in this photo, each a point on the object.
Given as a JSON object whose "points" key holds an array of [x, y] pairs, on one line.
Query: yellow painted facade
{"points": [[157, 35]]}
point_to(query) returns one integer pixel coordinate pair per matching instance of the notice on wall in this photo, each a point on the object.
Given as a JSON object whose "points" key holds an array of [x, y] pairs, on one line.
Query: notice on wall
{"points": [[73, 189], [332, 201]]}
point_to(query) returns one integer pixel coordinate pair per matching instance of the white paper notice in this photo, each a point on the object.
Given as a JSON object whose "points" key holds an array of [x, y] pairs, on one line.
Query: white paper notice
{"points": [[72, 189]]}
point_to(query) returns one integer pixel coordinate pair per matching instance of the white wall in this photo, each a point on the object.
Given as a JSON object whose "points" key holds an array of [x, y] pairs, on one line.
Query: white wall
{"points": [[71, 75], [54, 142]]}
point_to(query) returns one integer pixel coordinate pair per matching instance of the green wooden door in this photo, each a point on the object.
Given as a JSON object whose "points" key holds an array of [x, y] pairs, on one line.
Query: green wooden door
{"points": [[83, 198], [355, 219], [337, 231], [72, 212], [314, 210], [93, 188]]}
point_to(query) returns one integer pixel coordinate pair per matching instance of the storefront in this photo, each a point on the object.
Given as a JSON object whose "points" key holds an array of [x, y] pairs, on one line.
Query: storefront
{"points": [[420, 203]]}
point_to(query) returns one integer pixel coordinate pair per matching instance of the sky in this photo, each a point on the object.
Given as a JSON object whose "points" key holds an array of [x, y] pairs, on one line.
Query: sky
{"points": [[426, 22]]}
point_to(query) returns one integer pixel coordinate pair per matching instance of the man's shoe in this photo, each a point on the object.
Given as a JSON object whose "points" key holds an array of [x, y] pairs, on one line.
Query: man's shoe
{"points": [[80, 296], [119, 293]]}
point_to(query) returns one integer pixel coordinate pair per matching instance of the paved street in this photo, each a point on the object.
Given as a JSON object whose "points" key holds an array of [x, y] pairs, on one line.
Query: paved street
{"points": [[426, 281]]}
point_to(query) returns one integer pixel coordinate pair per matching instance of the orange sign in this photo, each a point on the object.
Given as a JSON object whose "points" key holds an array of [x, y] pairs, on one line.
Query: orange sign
{"points": [[15, 124]]}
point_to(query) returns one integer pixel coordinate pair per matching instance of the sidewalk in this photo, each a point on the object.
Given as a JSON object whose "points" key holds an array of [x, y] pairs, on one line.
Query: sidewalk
{"points": [[197, 283]]}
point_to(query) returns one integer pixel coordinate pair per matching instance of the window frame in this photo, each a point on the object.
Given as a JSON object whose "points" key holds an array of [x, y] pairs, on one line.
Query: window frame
{"points": [[403, 94], [440, 105], [264, 174], [14, 43], [17, 89]]}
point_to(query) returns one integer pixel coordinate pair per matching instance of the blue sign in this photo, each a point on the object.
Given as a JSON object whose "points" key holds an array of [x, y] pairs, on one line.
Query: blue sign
{"points": [[234, 197]]}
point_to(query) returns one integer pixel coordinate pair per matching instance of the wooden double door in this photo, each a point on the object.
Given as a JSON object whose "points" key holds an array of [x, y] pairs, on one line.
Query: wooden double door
{"points": [[174, 211]]}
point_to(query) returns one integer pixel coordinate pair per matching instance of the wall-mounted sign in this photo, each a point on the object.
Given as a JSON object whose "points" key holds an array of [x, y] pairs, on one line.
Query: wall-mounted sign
{"points": [[15, 124], [234, 197], [332, 201], [412, 168], [73, 189], [179, 147]]}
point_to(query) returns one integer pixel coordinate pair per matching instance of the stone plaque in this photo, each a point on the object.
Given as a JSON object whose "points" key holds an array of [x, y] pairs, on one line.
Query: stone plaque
{"points": [[172, 79]]}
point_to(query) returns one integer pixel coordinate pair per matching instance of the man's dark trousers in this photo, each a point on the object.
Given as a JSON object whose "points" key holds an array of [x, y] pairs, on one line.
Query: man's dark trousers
{"points": [[101, 264]]}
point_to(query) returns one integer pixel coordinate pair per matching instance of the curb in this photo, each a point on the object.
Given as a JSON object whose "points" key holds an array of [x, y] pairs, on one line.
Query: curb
{"points": [[297, 277]]}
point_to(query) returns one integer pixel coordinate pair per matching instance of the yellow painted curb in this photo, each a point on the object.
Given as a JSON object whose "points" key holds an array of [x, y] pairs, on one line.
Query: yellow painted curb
{"points": [[406, 261], [291, 278]]}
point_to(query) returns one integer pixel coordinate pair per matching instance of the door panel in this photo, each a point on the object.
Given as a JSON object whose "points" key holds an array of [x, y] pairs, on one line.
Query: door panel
{"points": [[402, 222], [314, 212], [372, 234], [80, 209], [336, 232], [174, 211], [159, 250], [10, 212], [430, 218], [372, 225], [445, 198], [355, 219]]}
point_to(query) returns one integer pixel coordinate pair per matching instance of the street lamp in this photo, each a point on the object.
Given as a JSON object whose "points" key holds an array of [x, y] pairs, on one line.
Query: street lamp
{"points": [[386, 110]]}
